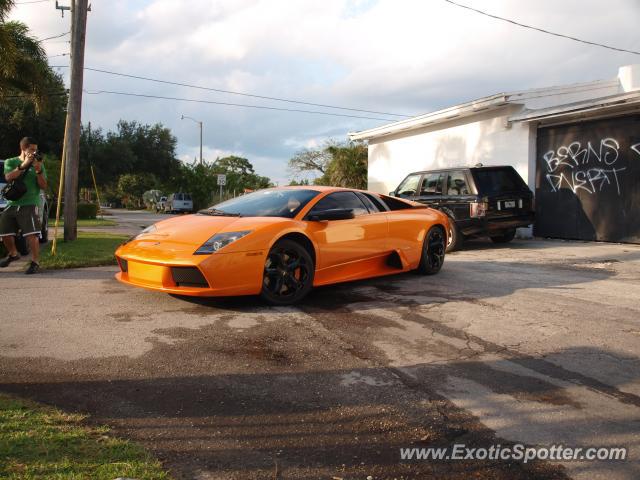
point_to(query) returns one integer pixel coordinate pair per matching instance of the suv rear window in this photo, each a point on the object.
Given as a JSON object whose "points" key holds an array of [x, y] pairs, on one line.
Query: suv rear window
{"points": [[492, 180]]}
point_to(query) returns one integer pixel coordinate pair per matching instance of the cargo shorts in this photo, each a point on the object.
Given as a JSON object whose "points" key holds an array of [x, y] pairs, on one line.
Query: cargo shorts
{"points": [[25, 218]]}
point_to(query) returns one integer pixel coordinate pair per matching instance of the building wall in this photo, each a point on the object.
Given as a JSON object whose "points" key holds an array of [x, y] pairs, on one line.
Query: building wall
{"points": [[484, 138]]}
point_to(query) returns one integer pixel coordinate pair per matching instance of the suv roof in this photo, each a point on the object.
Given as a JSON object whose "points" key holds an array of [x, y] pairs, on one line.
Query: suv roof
{"points": [[451, 169]]}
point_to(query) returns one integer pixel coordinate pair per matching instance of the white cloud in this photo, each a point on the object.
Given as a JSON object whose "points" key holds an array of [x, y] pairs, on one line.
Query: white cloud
{"points": [[407, 56]]}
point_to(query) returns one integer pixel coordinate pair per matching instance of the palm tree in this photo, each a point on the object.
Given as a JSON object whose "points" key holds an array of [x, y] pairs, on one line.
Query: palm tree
{"points": [[23, 62]]}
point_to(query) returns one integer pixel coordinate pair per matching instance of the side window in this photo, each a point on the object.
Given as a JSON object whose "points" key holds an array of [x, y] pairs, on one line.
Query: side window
{"points": [[187, 197], [340, 200], [368, 203], [178, 196], [457, 183], [377, 202], [409, 185], [432, 184]]}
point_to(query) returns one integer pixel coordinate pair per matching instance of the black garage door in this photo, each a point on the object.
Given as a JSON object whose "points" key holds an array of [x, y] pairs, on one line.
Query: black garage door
{"points": [[588, 181]]}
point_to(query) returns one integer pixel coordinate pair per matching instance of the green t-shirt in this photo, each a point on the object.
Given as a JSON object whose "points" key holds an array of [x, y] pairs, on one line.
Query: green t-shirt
{"points": [[32, 197]]}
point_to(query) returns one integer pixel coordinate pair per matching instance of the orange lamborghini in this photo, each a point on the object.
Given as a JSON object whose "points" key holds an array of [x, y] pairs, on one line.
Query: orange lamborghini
{"points": [[280, 242]]}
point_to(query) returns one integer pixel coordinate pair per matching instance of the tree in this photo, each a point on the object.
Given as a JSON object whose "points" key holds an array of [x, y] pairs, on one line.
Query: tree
{"points": [[132, 185], [132, 148], [24, 69], [308, 160], [349, 164], [341, 164], [20, 118]]}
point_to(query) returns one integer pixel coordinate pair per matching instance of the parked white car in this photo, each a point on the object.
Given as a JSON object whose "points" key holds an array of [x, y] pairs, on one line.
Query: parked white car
{"points": [[178, 202], [161, 203]]}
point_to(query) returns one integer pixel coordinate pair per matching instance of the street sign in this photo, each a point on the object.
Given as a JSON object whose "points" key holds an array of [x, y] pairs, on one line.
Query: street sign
{"points": [[222, 179]]}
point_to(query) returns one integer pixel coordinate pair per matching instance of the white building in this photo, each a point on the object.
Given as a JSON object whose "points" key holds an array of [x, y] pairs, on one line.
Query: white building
{"points": [[559, 139]]}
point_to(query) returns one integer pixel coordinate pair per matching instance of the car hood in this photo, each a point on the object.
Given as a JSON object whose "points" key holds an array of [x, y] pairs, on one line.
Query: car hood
{"points": [[176, 239]]}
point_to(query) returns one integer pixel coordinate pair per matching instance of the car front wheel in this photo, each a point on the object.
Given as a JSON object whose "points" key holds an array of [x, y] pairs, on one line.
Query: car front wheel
{"points": [[288, 273]]}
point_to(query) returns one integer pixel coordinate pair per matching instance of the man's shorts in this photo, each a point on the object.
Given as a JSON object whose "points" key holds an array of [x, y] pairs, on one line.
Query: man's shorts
{"points": [[24, 217]]}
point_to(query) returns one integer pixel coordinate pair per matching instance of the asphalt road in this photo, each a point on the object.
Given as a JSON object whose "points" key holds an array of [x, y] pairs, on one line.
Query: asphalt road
{"points": [[536, 342]]}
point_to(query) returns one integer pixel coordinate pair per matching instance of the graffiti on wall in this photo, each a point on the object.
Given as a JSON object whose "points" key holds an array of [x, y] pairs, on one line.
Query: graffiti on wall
{"points": [[587, 168]]}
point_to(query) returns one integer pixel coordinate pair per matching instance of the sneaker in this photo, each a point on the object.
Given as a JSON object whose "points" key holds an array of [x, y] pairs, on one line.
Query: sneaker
{"points": [[7, 260], [33, 268]]}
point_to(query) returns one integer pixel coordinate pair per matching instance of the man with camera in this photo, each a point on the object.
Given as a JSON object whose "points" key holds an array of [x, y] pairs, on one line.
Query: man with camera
{"points": [[24, 213]]}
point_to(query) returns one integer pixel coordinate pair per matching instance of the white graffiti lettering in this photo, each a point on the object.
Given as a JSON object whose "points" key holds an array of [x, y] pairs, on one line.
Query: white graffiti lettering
{"points": [[588, 168], [574, 155], [591, 181]]}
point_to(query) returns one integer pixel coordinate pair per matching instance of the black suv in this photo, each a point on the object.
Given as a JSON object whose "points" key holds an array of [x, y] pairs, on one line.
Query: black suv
{"points": [[481, 201]]}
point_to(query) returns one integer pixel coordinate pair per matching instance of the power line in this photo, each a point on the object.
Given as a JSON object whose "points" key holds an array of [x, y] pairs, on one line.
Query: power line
{"points": [[239, 93], [59, 55], [55, 36], [211, 102], [543, 30], [32, 1]]}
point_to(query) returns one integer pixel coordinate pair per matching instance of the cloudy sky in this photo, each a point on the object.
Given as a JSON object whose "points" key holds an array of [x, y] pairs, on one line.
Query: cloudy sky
{"points": [[403, 57]]}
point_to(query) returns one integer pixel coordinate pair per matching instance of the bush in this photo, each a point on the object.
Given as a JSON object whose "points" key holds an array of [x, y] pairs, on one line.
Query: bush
{"points": [[87, 211]]}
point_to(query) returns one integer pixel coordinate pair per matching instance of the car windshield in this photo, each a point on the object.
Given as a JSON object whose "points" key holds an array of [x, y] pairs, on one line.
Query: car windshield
{"points": [[495, 180], [267, 203]]}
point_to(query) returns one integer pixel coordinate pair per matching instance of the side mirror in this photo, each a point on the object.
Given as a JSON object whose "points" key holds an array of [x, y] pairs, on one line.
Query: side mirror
{"points": [[392, 194], [332, 214]]}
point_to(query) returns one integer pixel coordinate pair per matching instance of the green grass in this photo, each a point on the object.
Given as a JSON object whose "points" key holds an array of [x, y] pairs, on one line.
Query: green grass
{"points": [[89, 250], [38, 443], [94, 222]]}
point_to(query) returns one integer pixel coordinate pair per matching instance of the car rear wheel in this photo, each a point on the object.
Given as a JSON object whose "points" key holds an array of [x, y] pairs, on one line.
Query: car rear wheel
{"points": [[433, 251], [506, 236], [288, 273]]}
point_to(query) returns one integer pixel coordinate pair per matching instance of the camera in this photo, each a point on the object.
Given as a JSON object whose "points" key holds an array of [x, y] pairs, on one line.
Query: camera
{"points": [[37, 156]]}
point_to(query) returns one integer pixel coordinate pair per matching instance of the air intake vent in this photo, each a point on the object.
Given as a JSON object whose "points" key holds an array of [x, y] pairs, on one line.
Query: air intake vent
{"points": [[188, 277], [124, 265]]}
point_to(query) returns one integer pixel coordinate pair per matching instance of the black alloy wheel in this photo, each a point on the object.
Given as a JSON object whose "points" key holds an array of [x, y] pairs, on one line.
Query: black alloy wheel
{"points": [[433, 251], [288, 273]]}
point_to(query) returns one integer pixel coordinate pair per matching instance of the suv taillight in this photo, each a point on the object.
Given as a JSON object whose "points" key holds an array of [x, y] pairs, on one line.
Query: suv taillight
{"points": [[478, 209]]}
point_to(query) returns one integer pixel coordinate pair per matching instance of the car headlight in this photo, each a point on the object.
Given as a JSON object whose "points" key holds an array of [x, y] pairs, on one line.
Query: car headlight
{"points": [[220, 240]]}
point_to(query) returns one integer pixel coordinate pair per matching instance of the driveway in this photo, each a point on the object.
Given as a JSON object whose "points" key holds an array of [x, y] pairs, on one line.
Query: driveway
{"points": [[536, 342]]}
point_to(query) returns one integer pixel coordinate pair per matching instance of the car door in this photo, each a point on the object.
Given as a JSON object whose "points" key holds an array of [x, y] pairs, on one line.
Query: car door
{"points": [[430, 189], [346, 241], [457, 197], [409, 186]]}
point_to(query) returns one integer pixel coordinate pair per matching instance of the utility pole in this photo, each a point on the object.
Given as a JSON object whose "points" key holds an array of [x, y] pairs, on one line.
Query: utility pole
{"points": [[79, 10], [199, 123]]}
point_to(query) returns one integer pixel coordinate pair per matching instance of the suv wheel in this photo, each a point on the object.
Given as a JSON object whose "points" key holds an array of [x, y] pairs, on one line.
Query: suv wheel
{"points": [[455, 238], [506, 236]]}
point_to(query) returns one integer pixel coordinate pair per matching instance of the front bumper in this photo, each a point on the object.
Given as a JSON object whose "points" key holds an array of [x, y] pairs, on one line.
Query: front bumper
{"points": [[223, 274]]}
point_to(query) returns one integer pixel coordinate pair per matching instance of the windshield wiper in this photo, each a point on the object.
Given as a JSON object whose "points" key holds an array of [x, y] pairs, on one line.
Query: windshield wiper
{"points": [[218, 213]]}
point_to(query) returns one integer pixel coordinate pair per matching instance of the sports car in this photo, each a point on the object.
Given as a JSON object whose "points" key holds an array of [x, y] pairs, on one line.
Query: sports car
{"points": [[280, 242]]}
